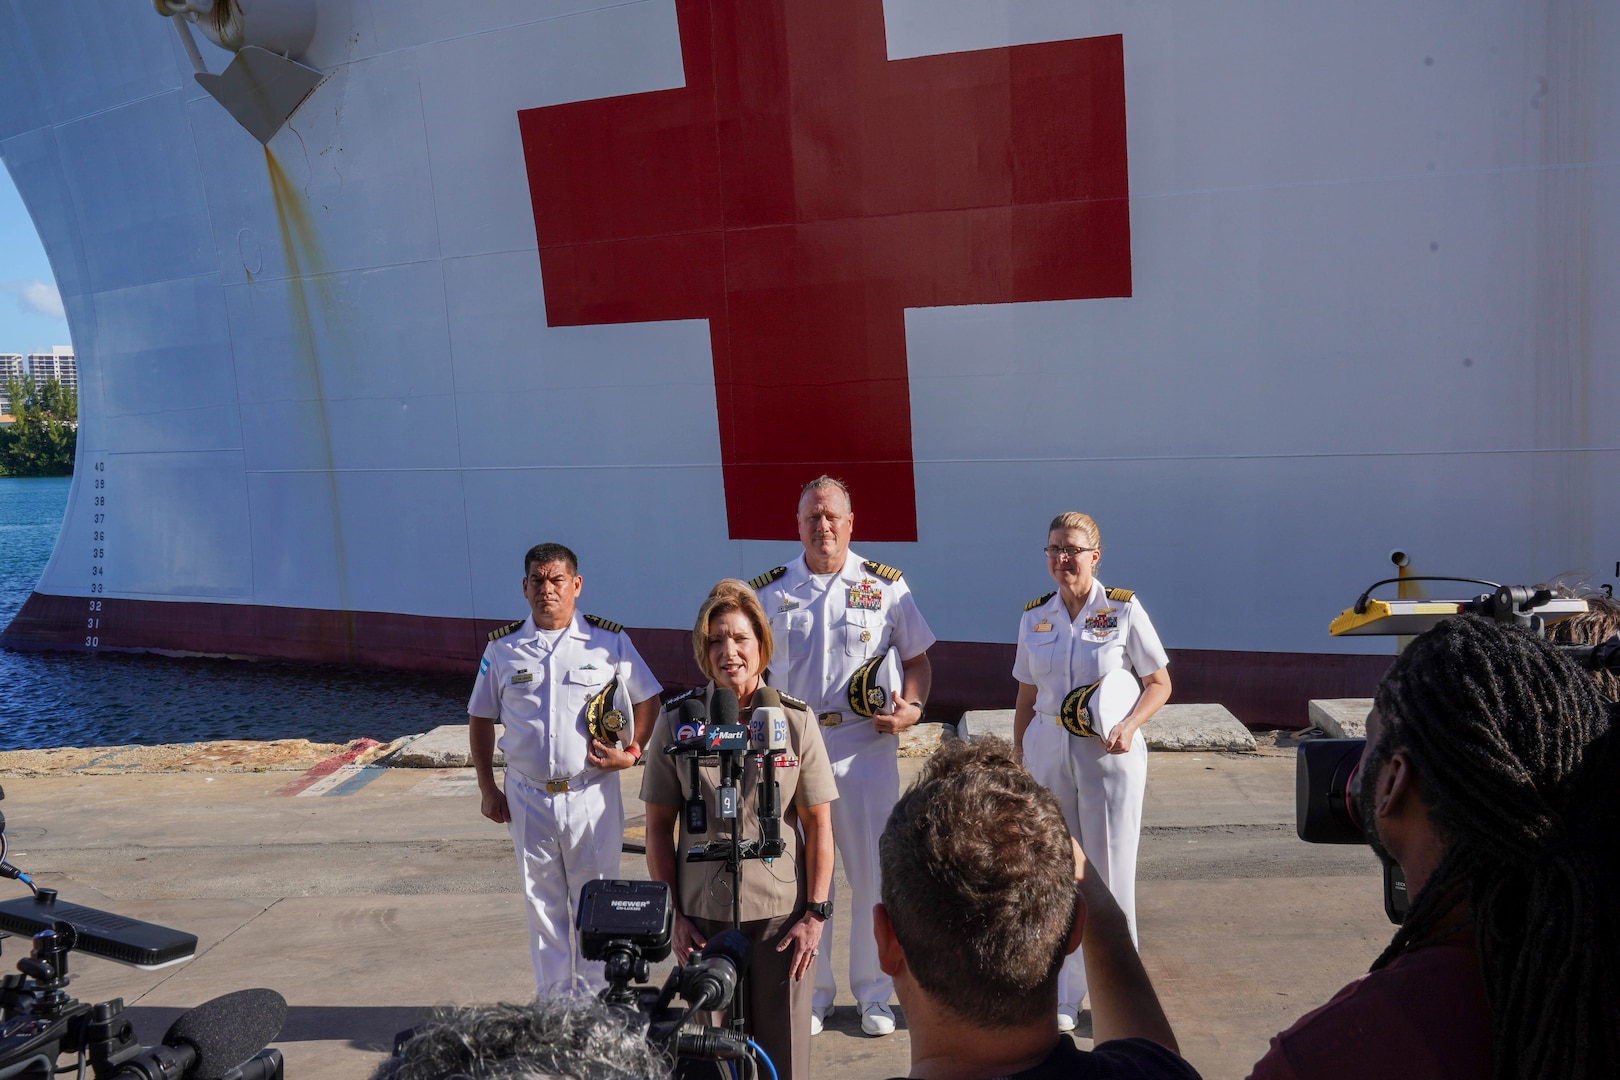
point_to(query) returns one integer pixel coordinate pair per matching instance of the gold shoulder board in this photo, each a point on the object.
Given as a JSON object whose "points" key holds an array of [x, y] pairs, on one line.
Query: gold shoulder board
{"points": [[1039, 600], [766, 578], [887, 573], [500, 632], [1121, 595], [605, 624]]}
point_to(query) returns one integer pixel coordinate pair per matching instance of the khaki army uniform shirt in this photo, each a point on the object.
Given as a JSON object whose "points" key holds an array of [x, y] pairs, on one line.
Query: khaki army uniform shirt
{"points": [[804, 777]]}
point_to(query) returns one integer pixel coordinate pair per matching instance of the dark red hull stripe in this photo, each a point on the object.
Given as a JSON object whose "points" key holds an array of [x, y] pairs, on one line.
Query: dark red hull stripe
{"points": [[1264, 690]]}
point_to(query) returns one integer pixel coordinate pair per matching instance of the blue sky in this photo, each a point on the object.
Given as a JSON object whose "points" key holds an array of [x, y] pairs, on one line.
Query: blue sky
{"points": [[30, 310]]}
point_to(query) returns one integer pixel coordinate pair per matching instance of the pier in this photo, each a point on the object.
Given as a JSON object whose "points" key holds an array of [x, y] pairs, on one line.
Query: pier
{"points": [[368, 894]]}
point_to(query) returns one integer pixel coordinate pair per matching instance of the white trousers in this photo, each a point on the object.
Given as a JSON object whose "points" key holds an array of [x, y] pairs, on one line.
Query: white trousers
{"points": [[1101, 794], [868, 776], [563, 841]]}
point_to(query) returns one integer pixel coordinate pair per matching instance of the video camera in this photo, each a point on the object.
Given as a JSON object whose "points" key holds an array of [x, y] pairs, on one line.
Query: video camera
{"points": [[222, 1039], [628, 925], [1326, 777]]}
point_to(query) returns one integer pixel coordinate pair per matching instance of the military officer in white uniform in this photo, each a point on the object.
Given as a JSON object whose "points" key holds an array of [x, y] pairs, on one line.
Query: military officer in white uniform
{"points": [[1067, 639], [542, 678], [831, 611]]}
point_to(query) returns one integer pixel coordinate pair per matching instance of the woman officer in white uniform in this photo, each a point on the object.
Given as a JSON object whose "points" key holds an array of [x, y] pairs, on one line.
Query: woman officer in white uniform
{"points": [[1071, 638]]}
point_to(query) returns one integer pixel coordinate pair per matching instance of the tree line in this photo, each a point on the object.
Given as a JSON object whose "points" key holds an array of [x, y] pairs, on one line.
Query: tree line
{"points": [[42, 440]]}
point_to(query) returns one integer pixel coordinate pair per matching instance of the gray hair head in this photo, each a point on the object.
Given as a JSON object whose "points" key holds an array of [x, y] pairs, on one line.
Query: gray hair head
{"points": [[559, 1038]]}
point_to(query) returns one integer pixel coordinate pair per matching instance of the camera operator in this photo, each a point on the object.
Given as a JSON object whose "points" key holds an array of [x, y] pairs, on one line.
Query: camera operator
{"points": [[732, 643], [1597, 624], [1490, 777], [570, 1038], [984, 894]]}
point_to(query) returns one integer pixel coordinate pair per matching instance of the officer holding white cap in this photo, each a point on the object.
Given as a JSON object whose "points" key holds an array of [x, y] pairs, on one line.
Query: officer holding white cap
{"points": [[1074, 731], [578, 704], [832, 614]]}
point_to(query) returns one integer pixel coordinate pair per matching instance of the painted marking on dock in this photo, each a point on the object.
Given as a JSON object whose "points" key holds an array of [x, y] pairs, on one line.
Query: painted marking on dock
{"points": [[330, 773], [462, 782]]}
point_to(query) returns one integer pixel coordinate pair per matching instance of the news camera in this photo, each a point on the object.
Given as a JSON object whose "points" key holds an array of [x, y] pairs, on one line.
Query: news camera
{"points": [[222, 1039], [628, 925], [1327, 771]]}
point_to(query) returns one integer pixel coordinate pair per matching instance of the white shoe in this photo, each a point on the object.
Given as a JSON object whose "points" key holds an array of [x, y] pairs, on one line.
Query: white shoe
{"points": [[877, 1018], [817, 1016], [1068, 1015]]}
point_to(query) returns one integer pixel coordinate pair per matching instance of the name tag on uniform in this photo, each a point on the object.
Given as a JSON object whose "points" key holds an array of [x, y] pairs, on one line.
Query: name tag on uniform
{"points": [[522, 677], [788, 605], [1103, 621], [864, 597], [1041, 627]]}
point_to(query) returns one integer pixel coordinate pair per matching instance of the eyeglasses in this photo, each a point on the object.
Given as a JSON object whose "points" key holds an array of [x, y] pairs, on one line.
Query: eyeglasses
{"points": [[1065, 552]]}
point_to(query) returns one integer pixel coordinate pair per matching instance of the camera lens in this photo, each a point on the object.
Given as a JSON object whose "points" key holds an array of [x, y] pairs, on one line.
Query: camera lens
{"points": [[1324, 808]]}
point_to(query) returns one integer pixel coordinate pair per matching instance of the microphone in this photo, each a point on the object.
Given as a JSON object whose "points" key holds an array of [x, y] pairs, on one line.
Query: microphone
{"points": [[774, 723], [723, 707], [689, 729], [762, 734], [213, 1040], [697, 812], [768, 730], [709, 982]]}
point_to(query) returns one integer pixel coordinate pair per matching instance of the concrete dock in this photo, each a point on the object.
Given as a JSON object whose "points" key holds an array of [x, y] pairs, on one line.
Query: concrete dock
{"points": [[367, 895]]}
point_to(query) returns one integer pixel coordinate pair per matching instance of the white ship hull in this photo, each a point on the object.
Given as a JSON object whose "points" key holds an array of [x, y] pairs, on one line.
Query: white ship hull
{"points": [[1270, 291]]}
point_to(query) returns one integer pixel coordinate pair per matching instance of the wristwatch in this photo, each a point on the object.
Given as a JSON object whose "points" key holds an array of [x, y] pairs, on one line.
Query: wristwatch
{"points": [[822, 910]]}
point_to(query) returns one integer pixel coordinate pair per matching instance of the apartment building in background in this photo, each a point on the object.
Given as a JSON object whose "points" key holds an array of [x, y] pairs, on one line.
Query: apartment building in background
{"points": [[57, 364], [11, 367]]}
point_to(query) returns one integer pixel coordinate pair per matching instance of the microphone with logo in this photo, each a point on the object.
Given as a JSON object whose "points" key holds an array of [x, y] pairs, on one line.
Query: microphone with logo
{"points": [[689, 732], [732, 742], [768, 734], [222, 1039]]}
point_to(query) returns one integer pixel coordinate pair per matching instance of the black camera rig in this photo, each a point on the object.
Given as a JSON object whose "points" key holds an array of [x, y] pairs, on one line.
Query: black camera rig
{"points": [[1326, 777], [627, 925], [222, 1039]]}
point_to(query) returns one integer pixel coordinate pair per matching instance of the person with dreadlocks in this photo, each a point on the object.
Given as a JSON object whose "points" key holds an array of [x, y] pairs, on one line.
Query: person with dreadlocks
{"points": [[1490, 775]]}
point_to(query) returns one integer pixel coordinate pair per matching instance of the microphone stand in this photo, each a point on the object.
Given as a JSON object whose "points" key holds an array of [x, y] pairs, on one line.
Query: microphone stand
{"points": [[733, 852]]}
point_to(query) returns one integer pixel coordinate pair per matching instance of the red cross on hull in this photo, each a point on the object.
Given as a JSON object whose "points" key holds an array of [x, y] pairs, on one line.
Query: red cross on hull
{"points": [[800, 192]]}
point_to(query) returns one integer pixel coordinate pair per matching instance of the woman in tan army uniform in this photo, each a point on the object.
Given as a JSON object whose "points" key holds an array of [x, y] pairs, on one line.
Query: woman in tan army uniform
{"points": [[732, 643]]}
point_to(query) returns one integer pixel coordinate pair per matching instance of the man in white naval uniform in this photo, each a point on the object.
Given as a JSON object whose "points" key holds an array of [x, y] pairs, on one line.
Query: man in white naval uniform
{"points": [[830, 611], [561, 798]]}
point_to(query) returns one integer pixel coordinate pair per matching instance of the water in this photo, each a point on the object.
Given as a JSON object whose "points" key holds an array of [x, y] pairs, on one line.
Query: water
{"points": [[109, 699]]}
